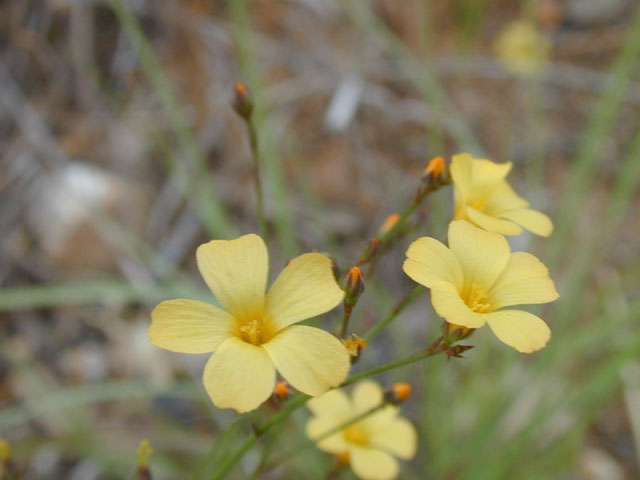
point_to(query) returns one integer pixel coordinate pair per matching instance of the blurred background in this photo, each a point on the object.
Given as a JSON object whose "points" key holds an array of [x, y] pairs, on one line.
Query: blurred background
{"points": [[120, 154]]}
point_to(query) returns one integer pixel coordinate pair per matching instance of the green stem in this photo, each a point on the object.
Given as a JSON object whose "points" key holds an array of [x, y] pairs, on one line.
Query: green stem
{"points": [[300, 400], [395, 311], [255, 155]]}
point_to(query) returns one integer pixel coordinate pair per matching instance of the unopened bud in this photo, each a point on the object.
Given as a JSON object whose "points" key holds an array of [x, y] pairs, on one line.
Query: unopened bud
{"points": [[433, 170], [143, 453], [388, 224], [282, 390], [354, 344], [354, 283], [399, 392], [243, 101]]}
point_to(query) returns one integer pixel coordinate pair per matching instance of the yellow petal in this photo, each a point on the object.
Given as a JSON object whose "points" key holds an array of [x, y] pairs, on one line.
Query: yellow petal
{"points": [[333, 404], [366, 395], [239, 375], [532, 220], [310, 359], [372, 464], [519, 329], [492, 224], [461, 170], [502, 198], [488, 174], [482, 255], [236, 272], [448, 304], [397, 437], [189, 326], [335, 443], [304, 289], [524, 281], [429, 261]]}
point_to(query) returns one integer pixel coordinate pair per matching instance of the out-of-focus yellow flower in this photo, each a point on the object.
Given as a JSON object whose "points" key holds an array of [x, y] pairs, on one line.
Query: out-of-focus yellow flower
{"points": [[254, 334], [143, 453], [476, 277], [483, 197], [523, 48], [370, 444]]}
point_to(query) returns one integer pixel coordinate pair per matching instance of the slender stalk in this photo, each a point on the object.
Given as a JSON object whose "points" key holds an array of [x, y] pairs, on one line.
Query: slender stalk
{"points": [[255, 156], [346, 315], [395, 311], [300, 400]]}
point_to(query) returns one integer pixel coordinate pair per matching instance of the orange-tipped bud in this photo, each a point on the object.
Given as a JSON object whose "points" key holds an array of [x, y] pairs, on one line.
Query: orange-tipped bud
{"points": [[354, 283], [401, 391], [388, 224], [433, 170], [243, 101], [282, 390], [354, 344], [143, 453]]}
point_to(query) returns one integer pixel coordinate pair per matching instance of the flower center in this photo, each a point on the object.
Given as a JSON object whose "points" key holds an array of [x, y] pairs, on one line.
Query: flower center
{"points": [[355, 434], [476, 299], [478, 204], [252, 331]]}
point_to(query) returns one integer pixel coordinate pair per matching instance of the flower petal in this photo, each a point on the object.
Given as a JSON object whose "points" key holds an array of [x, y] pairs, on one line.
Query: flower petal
{"points": [[304, 289], [461, 169], [519, 329], [486, 173], [524, 281], [239, 375], [429, 261], [532, 220], [189, 326], [366, 395], [309, 358], [492, 224], [372, 464], [236, 272], [397, 437], [448, 304], [333, 404], [335, 443], [482, 255], [503, 198]]}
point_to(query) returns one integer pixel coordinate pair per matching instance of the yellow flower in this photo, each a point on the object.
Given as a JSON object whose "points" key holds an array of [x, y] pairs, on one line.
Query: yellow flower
{"points": [[483, 197], [371, 443], [523, 48], [476, 277], [253, 334]]}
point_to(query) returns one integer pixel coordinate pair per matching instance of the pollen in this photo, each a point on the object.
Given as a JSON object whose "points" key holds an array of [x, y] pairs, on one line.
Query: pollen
{"points": [[476, 299], [356, 434]]}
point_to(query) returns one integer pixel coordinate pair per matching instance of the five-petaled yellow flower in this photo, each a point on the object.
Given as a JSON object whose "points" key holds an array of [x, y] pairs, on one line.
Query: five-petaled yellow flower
{"points": [[476, 277], [523, 48], [253, 335], [483, 197], [370, 443]]}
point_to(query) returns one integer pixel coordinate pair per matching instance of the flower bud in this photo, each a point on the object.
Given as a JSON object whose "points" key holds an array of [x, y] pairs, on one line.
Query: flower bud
{"points": [[354, 284], [388, 224], [143, 453], [243, 101], [453, 333], [398, 393], [434, 170], [282, 390]]}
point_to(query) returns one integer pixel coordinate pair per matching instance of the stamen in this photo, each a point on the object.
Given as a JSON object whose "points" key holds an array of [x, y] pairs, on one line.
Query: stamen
{"points": [[251, 331], [476, 299], [356, 434]]}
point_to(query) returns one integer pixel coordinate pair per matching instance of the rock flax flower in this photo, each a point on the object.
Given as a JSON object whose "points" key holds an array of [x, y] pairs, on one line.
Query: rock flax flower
{"points": [[254, 333], [483, 197], [371, 443], [476, 277], [523, 48]]}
